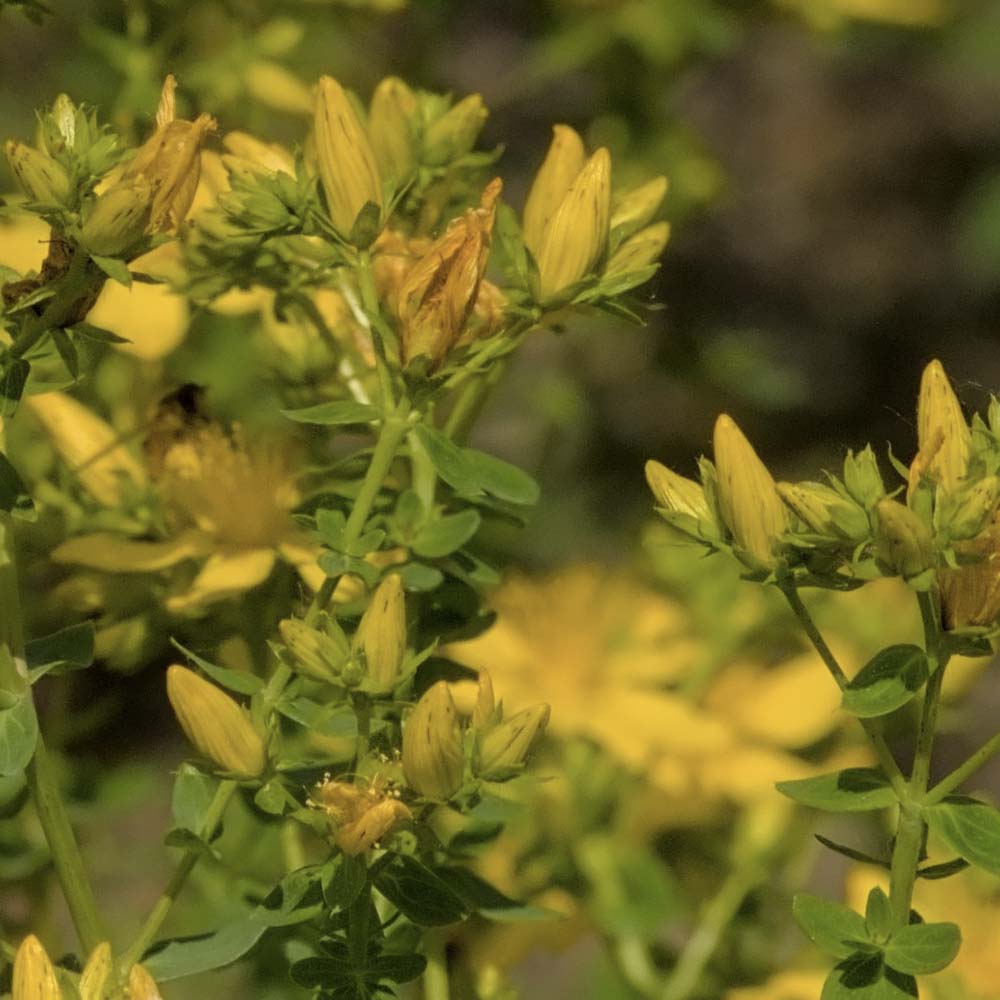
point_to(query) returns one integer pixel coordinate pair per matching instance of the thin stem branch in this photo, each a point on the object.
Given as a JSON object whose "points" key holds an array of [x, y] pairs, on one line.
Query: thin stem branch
{"points": [[882, 751], [963, 772], [436, 986], [146, 936]]}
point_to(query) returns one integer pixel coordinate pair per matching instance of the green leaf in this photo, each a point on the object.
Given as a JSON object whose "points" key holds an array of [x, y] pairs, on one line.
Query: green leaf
{"points": [[342, 880], [419, 894], [850, 852], [855, 789], [96, 333], [71, 648], [832, 927], [18, 735], [450, 461], [272, 798], [887, 682], [13, 378], [970, 828], [863, 976], [191, 796], [501, 479], [944, 870], [14, 496], [235, 680], [340, 411], [67, 351], [446, 534], [115, 269], [490, 902], [223, 947], [398, 968], [878, 915], [920, 949]]}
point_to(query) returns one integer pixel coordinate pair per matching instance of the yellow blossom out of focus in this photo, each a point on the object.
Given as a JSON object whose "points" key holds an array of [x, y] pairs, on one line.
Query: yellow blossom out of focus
{"points": [[230, 506], [793, 984], [609, 656]]}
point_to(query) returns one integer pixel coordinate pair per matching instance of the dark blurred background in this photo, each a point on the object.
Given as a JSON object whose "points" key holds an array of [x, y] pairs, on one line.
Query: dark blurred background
{"points": [[835, 199]]}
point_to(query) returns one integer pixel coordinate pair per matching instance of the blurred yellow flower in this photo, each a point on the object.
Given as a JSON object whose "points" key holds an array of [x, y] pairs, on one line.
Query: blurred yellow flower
{"points": [[792, 984], [608, 654], [229, 505]]}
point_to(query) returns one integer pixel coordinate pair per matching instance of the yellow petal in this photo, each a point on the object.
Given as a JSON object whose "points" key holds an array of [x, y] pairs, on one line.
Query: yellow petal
{"points": [[303, 554], [152, 318], [91, 447], [224, 575], [114, 554]]}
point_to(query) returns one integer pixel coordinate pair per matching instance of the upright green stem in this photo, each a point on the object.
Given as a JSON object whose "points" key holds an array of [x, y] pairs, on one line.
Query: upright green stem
{"points": [[146, 936], [42, 782], [882, 751], [436, 974], [910, 832], [66, 856]]}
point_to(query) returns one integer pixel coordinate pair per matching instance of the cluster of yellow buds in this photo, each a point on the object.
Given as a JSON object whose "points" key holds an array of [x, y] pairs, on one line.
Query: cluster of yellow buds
{"points": [[435, 740], [572, 228], [502, 745], [944, 532], [216, 725], [35, 978], [363, 163], [155, 191], [372, 662], [360, 817]]}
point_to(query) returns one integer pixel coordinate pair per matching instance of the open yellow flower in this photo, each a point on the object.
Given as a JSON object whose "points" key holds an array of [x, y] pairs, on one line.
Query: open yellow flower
{"points": [[229, 505]]}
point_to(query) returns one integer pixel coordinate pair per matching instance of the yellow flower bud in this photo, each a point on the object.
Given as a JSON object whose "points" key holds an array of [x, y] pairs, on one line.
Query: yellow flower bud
{"points": [[748, 498], [578, 232], [506, 746], [562, 165], [433, 759], [215, 724], [942, 433], [381, 636], [970, 595], [170, 162], [862, 478], [440, 292], [317, 653], [250, 151], [97, 979], [390, 125], [965, 513], [119, 219], [141, 985], [483, 714], [824, 511], [904, 542], [455, 132], [636, 207], [361, 817], [347, 164], [34, 975], [640, 250], [676, 493], [91, 448], [43, 179]]}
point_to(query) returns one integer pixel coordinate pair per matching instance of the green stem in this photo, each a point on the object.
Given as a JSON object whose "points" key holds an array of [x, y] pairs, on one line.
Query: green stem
{"points": [[717, 915], [423, 471], [882, 751], [362, 706], [910, 832], [76, 283], [213, 817], [964, 771], [436, 974], [393, 431], [66, 857], [13, 669]]}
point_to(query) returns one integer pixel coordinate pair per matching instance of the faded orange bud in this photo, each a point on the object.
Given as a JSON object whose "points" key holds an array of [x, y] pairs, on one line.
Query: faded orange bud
{"points": [[361, 817], [170, 162], [440, 292]]}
